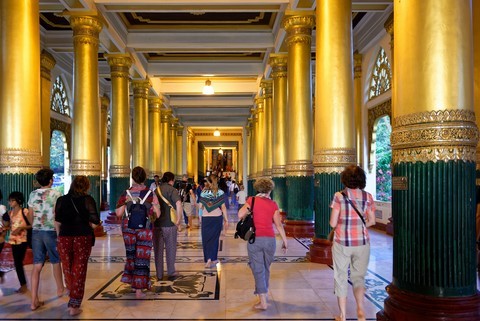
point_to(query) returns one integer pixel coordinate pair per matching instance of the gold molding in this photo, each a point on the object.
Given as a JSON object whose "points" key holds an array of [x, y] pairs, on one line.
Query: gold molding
{"points": [[333, 160], [299, 168], [47, 62], [303, 20], [299, 39], [279, 171], [357, 63], [438, 135], [20, 161], [85, 167], [267, 172], [119, 171]]}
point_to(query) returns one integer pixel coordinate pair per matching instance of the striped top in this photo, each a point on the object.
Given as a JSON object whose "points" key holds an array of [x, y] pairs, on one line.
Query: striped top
{"points": [[350, 230]]}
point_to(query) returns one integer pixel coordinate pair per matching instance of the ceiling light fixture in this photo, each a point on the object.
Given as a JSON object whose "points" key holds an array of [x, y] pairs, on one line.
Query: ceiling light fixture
{"points": [[208, 89], [216, 133]]}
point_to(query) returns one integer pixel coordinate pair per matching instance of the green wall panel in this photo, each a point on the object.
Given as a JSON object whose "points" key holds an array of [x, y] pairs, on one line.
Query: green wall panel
{"points": [[325, 187], [279, 194], [16, 182], [117, 186]]}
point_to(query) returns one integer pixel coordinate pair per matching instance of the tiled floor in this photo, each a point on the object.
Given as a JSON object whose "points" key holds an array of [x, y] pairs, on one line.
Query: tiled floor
{"points": [[299, 290]]}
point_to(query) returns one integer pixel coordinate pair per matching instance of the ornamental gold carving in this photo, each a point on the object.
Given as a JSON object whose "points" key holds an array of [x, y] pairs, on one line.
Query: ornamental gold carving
{"points": [[47, 62], [440, 135], [305, 23], [85, 167], [279, 171], [267, 172], [333, 160], [87, 24], [299, 168], [301, 39], [119, 171], [20, 161]]}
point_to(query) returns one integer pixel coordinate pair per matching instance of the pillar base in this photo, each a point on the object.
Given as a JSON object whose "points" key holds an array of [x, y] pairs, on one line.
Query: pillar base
{"points": [[99, 231], [408, 306], [299, 228], [320, 252], [389, 228], [6, 258], [283, 215]]}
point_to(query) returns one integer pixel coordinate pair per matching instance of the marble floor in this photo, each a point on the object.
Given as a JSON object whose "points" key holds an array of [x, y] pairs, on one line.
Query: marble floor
{"points": [[299, 290]]}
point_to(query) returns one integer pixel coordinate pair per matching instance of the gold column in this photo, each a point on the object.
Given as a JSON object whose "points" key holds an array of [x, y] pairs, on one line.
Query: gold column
{"points": [[86, 159], [165, 148], [140, 123], [299, 167], [260, 133], [267, 85], [190, 161], [173, 145], [120, 140], [357, 106], [278, 62], [47, 62], [434, 138], [334, 114], [155, 123], [179, 149], [104, 104], [476, 73], [20, 146]]}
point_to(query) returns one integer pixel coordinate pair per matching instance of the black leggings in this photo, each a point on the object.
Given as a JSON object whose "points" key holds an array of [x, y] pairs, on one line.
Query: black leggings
{"points": [[18, 252], [1, 248]]}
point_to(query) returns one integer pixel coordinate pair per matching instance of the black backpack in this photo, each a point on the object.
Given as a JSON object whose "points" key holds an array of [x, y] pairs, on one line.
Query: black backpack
{"points": [[137, 211], [245, 227]]}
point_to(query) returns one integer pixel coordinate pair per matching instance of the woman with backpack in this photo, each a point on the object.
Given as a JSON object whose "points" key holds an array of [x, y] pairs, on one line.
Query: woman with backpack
{"points": [[214, 218], [76, 215], [137, 237], [261, 252], [19, 224]]}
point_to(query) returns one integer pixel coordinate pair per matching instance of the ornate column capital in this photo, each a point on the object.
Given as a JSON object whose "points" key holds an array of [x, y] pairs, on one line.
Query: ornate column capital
{"points": [[119, 64], [357, 65], [47, 62], [298, 25], [86, 29], [140, 88], [179, 129], [278, 62], [154, 104], [104, 103], [267, 86], [388, 25], [165, 114], [259, 101]]}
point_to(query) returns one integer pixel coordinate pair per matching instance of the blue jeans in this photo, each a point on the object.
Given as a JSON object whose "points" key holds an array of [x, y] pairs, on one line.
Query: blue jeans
{"points": [[44, 242]]}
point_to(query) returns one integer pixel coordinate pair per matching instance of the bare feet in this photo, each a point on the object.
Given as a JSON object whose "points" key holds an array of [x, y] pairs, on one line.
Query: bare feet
{"points": [[208, 264], [339, 318], [360, 315], [139, 294], [260, 306], [62, 292], [37, 305], [74, 311]]}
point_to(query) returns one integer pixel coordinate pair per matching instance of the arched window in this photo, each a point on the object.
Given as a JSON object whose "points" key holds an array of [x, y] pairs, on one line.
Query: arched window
{"points": [[59, 160], [383, 159], [381, 75], [59, 100]]}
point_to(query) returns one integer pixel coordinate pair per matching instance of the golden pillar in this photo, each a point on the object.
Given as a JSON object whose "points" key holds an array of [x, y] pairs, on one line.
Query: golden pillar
{"points": [[165, 148], [140, 123], [20, 145], [253, 150], [476, 75], [120, 125], [267, 86], [278, 62], [104, 104], [155, 123], [334, 114], [86, 158], [47, 62], [434, 139], [179, 148], [357, 106], [260, 136], [172, 140], [299, 167], [190, 160]]}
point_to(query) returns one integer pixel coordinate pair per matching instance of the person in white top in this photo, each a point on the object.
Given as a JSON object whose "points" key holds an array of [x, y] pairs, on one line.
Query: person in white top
{"points": [[156, 183], [231, 189], [241, 197]]}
